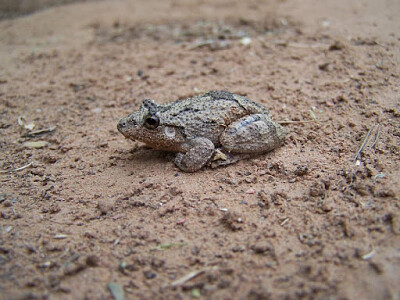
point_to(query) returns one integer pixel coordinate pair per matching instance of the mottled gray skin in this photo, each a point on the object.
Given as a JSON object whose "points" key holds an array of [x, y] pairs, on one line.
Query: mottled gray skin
{"points": [[216, 128]]}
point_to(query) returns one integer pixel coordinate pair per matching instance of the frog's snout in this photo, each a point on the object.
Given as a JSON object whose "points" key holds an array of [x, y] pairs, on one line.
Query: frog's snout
{"points": [[122, 125]]}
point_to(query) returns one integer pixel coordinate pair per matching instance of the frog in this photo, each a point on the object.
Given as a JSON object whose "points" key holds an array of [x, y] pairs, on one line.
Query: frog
{"points": [[213, 129]]}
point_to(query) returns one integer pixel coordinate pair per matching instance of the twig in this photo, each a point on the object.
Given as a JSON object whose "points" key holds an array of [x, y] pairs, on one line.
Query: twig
{"points": [[298, 45], [284, 221], [313, 116], [296, 122], [363, 144], [379, 176], [214, 44], [187, 277], [378, 131], [366, 139], [201, 44], [17, 169], [37, 132], [369, 255], [167, 246]]}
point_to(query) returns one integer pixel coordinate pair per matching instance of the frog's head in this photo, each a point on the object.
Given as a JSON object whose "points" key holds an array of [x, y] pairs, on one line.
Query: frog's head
{"points": [[145, 117], [146, 125]]}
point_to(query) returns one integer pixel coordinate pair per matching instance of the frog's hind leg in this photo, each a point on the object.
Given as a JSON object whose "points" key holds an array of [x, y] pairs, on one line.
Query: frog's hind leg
{"points": [[252, 134]]}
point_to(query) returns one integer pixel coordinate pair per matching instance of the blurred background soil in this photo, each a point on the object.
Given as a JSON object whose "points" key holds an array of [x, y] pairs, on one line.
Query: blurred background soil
{"points": [[86, 214], [14, 8]]}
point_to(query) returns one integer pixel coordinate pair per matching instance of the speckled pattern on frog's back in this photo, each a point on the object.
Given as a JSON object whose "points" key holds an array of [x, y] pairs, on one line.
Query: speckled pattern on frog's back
{"points": [[208, 114]]}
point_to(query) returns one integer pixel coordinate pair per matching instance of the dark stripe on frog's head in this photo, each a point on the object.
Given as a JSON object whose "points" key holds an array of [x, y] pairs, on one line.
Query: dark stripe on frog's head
{"points": [[150, 106]]}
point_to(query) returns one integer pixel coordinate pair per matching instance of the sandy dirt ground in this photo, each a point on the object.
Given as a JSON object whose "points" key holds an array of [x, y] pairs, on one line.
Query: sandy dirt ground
{"points": [[87, 214]]}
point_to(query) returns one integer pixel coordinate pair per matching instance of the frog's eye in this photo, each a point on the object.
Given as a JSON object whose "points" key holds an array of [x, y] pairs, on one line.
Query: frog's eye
{"points": [[152, 122]]}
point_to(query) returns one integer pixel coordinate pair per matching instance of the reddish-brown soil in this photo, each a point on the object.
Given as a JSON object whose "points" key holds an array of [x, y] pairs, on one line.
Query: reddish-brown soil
{"points": [[92, 213]]}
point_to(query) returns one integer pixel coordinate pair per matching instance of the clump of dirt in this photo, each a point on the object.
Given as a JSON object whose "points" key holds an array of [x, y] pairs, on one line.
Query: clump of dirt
{"points": [[87, 214]]}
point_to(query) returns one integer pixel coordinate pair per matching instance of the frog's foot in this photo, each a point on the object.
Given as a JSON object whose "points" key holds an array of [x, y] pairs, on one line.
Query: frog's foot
{"points": [[253, 134], [200, 151], [223, 158]]}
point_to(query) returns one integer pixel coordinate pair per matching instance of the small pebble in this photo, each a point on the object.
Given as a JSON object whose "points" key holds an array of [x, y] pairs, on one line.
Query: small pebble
{"points": [[250, 191], [116, 291], [149, 274]]}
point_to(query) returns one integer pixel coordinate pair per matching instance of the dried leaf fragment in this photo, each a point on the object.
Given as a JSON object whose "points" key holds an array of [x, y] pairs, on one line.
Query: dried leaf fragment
{"points": [[35, 144]]}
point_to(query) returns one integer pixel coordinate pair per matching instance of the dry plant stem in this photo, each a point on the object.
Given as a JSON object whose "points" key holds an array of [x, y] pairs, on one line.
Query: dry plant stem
{"points": [[378, 131], [200, 44], [295, 122], [363, 144], [17, 169], [187, 277], [37, 132]]}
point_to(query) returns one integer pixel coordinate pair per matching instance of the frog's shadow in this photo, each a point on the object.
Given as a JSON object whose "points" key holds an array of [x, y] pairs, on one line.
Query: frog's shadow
{"points": [[145, 155]]}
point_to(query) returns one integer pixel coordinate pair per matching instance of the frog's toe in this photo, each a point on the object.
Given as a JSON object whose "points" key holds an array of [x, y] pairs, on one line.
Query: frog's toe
{"points": [[200, 151]]}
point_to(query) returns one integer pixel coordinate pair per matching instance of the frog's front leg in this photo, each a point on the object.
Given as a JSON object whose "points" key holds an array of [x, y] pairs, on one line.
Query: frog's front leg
{"points": [[199, 152], [252, 134]]}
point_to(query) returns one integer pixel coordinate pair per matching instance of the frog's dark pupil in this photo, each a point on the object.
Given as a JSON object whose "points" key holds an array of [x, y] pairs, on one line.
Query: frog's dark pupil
{"points": [[152, 122]]}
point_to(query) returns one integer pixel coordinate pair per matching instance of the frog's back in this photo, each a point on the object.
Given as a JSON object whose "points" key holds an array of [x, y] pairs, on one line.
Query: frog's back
{"points": [[215, 105], [222, 101], [208, 114]]}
